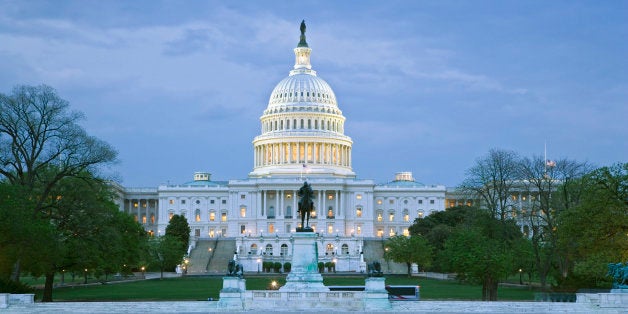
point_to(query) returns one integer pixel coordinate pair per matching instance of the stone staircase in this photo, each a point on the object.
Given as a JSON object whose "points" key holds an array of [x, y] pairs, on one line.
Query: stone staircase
{"points": [[374, 251], [222, 253], [200, 256]]}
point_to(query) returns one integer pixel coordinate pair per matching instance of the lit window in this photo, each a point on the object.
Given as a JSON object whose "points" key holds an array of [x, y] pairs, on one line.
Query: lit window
{"points": [[329, 248], [392, 232], [212, 232], [197, 215], [242, 229], [358, 212], [223, 217], [330, 228], [359, 196], [243, 211], [253, 249], [421, 213], [406, 216], [171, 201], [380, 233], [379, 202], [170, 215], [406, 232], [330, 212], [144, 219], [212, 216], [380, 216], [271, 228], [359, 229], [135, 205], [452, 203], [391, 217], [144, 205], [330, 196], [152, 218]]}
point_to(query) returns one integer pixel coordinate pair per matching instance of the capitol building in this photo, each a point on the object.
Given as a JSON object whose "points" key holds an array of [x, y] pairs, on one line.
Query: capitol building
{"points": [[301, 138]]}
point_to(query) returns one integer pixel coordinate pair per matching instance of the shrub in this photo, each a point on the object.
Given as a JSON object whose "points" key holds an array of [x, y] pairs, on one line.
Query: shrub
{"points": [[287, 267], [10, 286], [277, 266], [321, 267]]}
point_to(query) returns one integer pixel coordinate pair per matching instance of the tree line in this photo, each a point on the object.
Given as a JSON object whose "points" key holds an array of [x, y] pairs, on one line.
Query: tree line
{"points": [[57, 210], [558, 221]]}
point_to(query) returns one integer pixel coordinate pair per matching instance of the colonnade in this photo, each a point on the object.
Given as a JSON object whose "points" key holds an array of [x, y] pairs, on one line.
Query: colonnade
{"points": [[303, 153]]}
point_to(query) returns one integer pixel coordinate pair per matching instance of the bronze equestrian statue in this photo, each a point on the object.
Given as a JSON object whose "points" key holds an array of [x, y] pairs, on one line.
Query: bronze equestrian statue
{"points": [[306, 205]]}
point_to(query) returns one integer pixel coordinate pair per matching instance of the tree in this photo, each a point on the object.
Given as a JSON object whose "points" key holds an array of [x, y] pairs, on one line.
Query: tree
{"points": [[165, 253], [555, 186], [492, 179], [41, 143], [179, 228], [594, 231], [481, 249], [408, 250]]}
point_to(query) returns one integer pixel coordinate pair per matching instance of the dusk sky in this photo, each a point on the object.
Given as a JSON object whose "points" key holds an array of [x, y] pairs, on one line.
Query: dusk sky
{"points": [[426, 86]]}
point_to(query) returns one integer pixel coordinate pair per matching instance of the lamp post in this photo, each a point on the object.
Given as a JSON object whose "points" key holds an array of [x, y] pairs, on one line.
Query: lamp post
{"points": [[85, 275], [520, 271], [258, 262], [143, 272]]}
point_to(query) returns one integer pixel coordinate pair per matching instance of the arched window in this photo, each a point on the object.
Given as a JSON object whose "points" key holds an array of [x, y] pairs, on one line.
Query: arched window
{"points": [[243, 211], [345, 249], [406, 216], [380, 215], [329, 249], [197, 215], [253, 249], [358, 212], [284, 250], [152, 218], [271, 212], [330, 212], [269, 249]]}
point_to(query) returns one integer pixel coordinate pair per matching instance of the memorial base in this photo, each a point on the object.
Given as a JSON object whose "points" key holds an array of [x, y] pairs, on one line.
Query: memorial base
{"points": [[304, 275]]}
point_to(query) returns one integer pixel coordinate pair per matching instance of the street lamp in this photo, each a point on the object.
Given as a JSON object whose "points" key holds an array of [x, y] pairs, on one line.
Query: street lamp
{"points": [[143, 272], [85, 275], [520, 271], [258, 262]]}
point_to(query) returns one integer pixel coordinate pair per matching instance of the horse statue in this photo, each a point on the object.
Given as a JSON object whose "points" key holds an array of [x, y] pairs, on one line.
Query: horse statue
{"points": [[306, 205], [234, 269], [619, 272], [374, 269]]}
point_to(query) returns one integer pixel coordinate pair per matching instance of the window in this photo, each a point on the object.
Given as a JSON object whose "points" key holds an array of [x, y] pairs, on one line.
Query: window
{"points": [[344, 249], [284, 250], [406, 232], [358, 212], [198, 202], [359, 229], [420, 213], [144, 219], [420, 201], [197, 215], [330, 212], [242, 196], [288, 213], [380, 232], [223, 217], [330, 196], [405, 201], [330, 228], [212, 216], [406, 216], [253, 249], [269, 249], [224, 201], [171, 201], [431, 201], [212, 232], [271, 212], [379, 202], [329, 249], [392, 232], [380, 215], [170, 214], [359, 196], [135, 204], [197, 232], [452, 203], [212, 201], [183, 202], [242, 229], [271, 228], [391, 201], [243, 211], [391, 216], [152, 218]]}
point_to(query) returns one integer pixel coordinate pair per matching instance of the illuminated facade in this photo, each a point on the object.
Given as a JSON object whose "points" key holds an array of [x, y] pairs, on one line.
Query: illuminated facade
{"points": [[302, 138]]}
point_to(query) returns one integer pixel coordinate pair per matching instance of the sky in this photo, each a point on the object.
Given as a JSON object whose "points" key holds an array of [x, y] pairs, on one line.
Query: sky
{"points": [[425, 86]]}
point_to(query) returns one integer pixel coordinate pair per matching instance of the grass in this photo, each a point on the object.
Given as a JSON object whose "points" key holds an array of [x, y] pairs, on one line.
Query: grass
{"points": [[202, 288]]}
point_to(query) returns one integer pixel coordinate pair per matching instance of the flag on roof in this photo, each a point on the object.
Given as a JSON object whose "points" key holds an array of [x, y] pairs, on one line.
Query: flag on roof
{"points": [[550, 163]]}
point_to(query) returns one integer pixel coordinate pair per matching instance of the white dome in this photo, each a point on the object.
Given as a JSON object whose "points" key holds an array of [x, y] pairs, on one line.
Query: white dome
{"points": [[302, 89]]}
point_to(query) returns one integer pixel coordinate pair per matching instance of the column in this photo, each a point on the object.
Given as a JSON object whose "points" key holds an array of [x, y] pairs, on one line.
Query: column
{"points": [[263, 201]]}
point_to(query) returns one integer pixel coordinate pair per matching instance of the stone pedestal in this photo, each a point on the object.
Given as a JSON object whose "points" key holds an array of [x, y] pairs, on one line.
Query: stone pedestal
{"points": [[304, 275], [232, 293], [376, 296], [4, 300]]}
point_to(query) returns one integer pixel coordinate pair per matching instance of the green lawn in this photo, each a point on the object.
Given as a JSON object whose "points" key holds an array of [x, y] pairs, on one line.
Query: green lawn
{"points": [[201, 288]]}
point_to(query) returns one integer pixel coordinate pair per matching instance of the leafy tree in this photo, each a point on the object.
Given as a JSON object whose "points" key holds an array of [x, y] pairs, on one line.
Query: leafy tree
{"points": [[493, 179], [556, 187], [594, 231], [165, 253], [179, 228], [408, 250], [481, 250], [41, 143]]}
